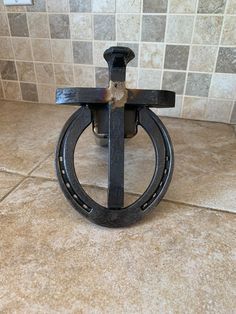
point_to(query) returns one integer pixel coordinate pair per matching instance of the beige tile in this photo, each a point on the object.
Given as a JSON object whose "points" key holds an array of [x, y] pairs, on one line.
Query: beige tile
{"points": [[131, 77], [57, 6], [183, 6], [6, 51], [202, 58], [22, 48], [46, 94], [152, 55], [41, 50], [98, 50], [81, 26], [194, 108], [26, 71], [7, 182], [44, 73], [149, 79], [64, 74], [229, 33], [179, 29], [128, 6], [84, 75], [223, 86], [61, 50], [38, 25], [231, 7], [207, 29], [218, 110], [12, 90], [4, 30], [1, 90], [128, 27], [47, 249]]}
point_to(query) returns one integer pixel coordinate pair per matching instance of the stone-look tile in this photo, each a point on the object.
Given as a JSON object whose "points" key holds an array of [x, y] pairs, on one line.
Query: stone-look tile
{"points": [[229, 33], [2, 7], [211, 6], [223, 86], [131, 77], [22, 49], [29, 91], [174, 81], [18, 24], [25, 71], [150, 6], [44, 73], [103, 6], [6, 51], [99, 48], [128, 6], [59, 26], [39, 6], [151, 55], [218, 110], [80, 5], [194, 108], [172, 112], [62, 50], [153, 28], [64, 74], [4, 31], [183, 6], [46, 94], [1, 91], [231, 7], [8, 70], [101, 77], [135, 48], [38, 25], [7, 182], [202, 58], [12, 90], [207, 30], [57, 6], [83, 52], [226, 61], [16, 8], [41, 49], [149, 79], [84, 75], [104, 27], [198, 84], [233, 115], [128, 27], [176, 57], [81, 26], [179, 29]]}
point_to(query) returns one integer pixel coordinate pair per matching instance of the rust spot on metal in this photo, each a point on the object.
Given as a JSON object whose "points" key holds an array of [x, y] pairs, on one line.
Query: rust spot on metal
{"points": [[116, 94]]}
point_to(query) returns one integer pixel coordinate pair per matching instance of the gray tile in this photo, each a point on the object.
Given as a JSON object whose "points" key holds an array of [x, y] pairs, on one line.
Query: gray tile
{"points": [[174, 81], [25, 71], [233, 115], [101, 76], [153, 28], [18, 24], [104, 6], [3, 25], [176, 57], [135, 48], [229, 33], [29, 91], [8, 70], [211, 6], [158, 6], [83, 52], [104, 27], [226, 61], [128, 27], [39, 6], [59, 26], [207, 29], [179, 29], [198, 84], [80, 5]]}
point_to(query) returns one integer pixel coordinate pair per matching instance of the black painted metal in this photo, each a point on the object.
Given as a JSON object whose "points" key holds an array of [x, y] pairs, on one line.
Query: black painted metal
{"points": [[115, 114]]}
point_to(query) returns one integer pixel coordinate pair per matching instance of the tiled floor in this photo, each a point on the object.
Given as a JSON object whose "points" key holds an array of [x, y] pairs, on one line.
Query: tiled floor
{"points": [[179, 259]]}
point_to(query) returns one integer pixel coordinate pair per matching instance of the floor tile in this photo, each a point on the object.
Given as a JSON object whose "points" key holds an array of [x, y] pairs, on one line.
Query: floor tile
{"points": [[178, 259], [7, 182]]}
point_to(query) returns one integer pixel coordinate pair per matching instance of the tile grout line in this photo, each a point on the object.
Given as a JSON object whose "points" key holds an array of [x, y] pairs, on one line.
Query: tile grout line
{"points": [[13, 189], [140, 42], [39, 164]]}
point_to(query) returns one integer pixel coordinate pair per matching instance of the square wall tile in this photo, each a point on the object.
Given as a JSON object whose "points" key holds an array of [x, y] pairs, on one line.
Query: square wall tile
{"points": [[128, 6], [104, 27], [83, 52], [41, 49], [179, 29], [15, 9], [12, 90], [38, 25], [158, 6], [46, 94], [59, 26], [57, 6], [233, 115], [103, 6], [149, 79], [81, 26], [39, 6], [172, 112], [80, 5], [198, 84], [153, 28], [174, 81], [101, 76], [151, 55], [18, 24], [211, 6], [84, 75], [231, 7], [176, 57], [44, 73], [223, 86], [25, 71], [99, 48], [6, 51], [62, 50], [207, 30], [183, 6], [1, 91], [128, 27], [64, 74], [4, 31], [194, 108], [226, 61], [135, 48], [202, 58], [131, 77], [29, 91], [22, 48], [229, 31], [218, 110], [8, 70]]}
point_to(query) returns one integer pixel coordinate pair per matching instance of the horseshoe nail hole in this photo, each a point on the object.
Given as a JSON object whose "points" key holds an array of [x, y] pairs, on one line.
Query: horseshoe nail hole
{"points": [[144, 205], [63, 172], [167, 158], [68, 185], [85, 206], [60, 158], [161, 183], [154, 195], [75, 196], [165, 171]]}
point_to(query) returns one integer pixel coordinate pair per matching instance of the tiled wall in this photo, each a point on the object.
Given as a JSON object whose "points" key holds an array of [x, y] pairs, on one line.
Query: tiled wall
{"points": [[184, 45]]}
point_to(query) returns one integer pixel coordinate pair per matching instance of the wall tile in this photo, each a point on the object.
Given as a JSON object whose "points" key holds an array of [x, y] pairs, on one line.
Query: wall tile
{"points": [[218, 110], [44, 73], [172, 112], [2, 7], [150, 6], [46, 94], [59, 26], [194, 108], [231, 7], [103, 6], [207, 30], [223, 86], [104, 27], [128, 6], [82, 52], [233, 115], [174, 81], [99, 48], [12, 90], [39, 6], [4, 31], [6, 51], [202, 58], [22, 48], [1, 91], [183, 6], [226, 61], [176, 57], [149, 79], [81, 26], [198, 84], [179, 29], [16, 9], [8, 70], [29, 91], [211, 6], [80, 5], [131, 77], [101, 76], [62, 50], [41, 50], [36, 19], [151, 55], [153, 27], [128, 27], [64, 74], [18, 24], [229, 31], [84, 75], [57, 6], [25, 71], [135, 48]]}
